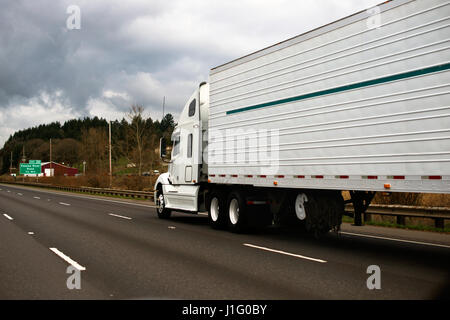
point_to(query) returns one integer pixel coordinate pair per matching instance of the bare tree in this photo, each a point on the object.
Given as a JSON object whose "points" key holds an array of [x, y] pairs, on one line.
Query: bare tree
{"points": [[94, 149], [137, 125]]}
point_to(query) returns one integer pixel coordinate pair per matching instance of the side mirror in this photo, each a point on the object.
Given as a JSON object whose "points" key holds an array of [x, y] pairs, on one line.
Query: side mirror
{"points": [[162, 148]]}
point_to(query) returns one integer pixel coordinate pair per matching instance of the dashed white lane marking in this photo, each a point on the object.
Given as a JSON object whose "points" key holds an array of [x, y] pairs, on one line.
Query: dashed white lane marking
{"points": [[393, 239], [31, 233], [285, 253], [8, 191], [7, 217], [68, 259], [37, 198], [203, 213], [19, 194], [65, 204], [119, 216], [172, 227]]}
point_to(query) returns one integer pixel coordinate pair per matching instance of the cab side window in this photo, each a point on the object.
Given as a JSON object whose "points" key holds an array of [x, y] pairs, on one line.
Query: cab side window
{"points": [[176, 144], [192, 108], [189, 146]]}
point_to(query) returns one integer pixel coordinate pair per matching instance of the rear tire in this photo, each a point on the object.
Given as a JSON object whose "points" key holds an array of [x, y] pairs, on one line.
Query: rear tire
{"points": [[237, 213], [324, 212], [163, 212], [217, 213]]}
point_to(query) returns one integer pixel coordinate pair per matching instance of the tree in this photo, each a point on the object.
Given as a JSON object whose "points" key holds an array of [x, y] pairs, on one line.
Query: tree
{"points": [[67, 151], [167, 123], [137, 125], [167, 126], [94, 148]]}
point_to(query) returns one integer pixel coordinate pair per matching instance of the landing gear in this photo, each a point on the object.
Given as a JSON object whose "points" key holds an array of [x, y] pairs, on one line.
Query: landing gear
{"points": [[361, 201]]}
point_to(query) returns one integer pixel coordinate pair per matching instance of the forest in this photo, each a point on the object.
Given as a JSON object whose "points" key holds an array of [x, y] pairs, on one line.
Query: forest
{"points": [[134, 140]]}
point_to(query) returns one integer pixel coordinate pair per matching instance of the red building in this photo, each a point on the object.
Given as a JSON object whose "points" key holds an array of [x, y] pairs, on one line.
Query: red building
{"points": [[58, 169]]}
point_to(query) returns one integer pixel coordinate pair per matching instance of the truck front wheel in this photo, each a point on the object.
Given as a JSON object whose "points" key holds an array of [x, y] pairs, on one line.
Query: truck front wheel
{"points": [[163, 212]]}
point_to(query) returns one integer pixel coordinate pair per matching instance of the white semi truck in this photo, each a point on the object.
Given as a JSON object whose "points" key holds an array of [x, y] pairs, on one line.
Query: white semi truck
{"points": [[361, 104]]}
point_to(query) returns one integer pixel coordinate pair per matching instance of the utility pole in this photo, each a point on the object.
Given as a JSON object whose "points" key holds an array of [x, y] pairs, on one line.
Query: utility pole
{"points": [[110, 164], [23, 160], [51, 171], [164, 103], [10, 165]]}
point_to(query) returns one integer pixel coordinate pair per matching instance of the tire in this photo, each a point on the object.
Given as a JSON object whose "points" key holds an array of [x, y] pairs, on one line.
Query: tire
{"points": [[163, 212], [217, 214], [325, 212], [287, 216], [237, 212], [316, 216]]}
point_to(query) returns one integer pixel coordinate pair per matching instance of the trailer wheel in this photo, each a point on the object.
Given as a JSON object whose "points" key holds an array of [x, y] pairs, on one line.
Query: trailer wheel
{"points": [[217, 211], [237, 213], [324, 212], [163, 212]]}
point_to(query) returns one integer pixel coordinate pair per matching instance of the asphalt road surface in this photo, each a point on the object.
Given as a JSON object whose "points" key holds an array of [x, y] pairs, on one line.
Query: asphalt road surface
{"points": [[123, 251]]}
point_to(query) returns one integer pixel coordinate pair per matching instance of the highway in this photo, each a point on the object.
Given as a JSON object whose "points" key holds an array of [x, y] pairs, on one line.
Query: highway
{"points": [[126, 252]]}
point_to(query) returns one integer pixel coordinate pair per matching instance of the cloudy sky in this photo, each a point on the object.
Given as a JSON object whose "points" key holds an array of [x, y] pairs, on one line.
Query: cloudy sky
{"points": [[134, 51]]}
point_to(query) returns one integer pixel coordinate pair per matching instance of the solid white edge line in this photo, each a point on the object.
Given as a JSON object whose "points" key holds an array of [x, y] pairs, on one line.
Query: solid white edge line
{"points": [[285, 253], [393, 239], [119, 216], [65, 204], [67, 259], [8, 217]]}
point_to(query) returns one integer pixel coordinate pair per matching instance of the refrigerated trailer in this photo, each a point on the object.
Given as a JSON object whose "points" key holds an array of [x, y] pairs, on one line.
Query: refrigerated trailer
{"points": [[361, 104]]}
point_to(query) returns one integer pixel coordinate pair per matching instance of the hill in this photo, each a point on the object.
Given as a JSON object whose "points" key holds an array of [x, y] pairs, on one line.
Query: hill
{"points": [[86, 139]]}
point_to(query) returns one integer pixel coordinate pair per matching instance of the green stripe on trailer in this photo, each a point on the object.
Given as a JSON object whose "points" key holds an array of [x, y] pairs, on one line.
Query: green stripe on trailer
{"points": [[363, 84]]}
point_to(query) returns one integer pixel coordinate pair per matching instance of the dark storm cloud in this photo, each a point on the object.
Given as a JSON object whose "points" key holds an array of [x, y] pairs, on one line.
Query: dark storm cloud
{"points": [[40, 54], [132, 51]]}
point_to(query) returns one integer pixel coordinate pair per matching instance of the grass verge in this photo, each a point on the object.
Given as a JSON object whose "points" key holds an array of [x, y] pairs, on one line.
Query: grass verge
{"points": [[400, 226]]}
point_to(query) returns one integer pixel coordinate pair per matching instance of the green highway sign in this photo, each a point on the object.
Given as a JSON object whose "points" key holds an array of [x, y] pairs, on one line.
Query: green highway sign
{"points": [[35, 162], [30, 168]]}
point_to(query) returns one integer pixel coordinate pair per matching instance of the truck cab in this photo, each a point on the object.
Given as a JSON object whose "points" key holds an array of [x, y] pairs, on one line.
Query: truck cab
{"points": [[179, 188]]}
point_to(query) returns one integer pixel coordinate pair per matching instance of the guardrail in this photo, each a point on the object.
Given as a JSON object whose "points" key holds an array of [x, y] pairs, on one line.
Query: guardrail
{"points": [[438, 214], [90, 190]]}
